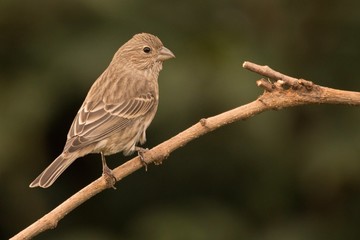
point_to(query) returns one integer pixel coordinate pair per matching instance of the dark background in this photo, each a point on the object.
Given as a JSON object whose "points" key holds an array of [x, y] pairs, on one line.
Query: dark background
{"points": [[289, 174]]}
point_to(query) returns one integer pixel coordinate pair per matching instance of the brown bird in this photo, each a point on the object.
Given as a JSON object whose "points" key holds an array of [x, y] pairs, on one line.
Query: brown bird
{"points": [[118, 108]]}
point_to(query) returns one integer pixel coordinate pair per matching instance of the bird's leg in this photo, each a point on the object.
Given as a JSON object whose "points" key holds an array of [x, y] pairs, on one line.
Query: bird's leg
{"points": [[141, 152], [109, 176]]}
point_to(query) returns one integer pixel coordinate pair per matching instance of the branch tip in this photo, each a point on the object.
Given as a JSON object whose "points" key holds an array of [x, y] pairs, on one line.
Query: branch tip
{"points": [[245, 63]]}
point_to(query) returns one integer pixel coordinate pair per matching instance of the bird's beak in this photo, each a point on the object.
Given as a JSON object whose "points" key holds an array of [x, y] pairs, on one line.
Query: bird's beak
{"points": [[165, 54]]}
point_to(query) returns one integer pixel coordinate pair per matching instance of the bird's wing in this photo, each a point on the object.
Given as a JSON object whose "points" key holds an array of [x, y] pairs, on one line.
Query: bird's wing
{"points": [[96, 121]]}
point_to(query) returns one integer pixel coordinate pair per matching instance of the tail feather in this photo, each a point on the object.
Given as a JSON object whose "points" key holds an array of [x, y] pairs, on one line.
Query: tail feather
{"points": [[52, 172]]}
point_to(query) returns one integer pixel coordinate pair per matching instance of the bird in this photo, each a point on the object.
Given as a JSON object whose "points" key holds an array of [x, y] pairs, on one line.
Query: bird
{"points": [[118, 108]]}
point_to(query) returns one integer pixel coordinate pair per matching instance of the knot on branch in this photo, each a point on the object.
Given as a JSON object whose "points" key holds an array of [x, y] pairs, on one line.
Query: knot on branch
{"points": [[294, 84], [203, 122], [298, 85]]}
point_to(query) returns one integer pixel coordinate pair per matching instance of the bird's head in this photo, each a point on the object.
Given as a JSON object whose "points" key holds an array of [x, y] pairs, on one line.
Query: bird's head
{"points": [[144, 51]]}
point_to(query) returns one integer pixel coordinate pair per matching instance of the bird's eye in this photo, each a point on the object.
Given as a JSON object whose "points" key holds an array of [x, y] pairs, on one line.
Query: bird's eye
{"points": [[146, 49]]}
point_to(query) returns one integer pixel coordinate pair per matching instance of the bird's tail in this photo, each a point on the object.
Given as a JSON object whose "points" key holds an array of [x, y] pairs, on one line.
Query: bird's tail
{"points": [[53, 171]]}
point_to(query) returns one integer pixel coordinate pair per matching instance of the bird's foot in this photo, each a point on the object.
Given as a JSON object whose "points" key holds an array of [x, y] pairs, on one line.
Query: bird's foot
{"points": [[109, 177], [107, 173], [141, 152]]}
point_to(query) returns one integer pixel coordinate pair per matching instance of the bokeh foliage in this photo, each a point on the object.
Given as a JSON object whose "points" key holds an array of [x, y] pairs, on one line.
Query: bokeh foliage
{"points": [[290, 174]]}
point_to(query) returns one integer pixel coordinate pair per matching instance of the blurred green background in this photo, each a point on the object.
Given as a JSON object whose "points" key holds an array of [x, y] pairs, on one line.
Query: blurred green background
{"points": [[289, 174]]}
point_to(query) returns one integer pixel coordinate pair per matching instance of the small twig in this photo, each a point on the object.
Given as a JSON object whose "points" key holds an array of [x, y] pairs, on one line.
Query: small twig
{"points": [[267, 85], [276, 96], [268, 72]]}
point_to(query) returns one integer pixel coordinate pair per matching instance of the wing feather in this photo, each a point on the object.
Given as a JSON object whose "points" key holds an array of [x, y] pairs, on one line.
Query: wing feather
{"points": [[96, 121]]}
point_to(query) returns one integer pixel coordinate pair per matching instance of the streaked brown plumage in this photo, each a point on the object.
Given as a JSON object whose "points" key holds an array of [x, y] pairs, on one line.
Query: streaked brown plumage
{"points": [[118, 108]]}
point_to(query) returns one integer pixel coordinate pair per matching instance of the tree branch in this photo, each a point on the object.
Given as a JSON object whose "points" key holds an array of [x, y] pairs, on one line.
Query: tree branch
{"points": [[282, 92]]}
